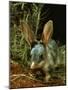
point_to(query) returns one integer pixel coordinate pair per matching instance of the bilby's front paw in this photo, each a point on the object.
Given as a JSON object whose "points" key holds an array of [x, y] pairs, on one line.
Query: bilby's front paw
{"points": [[47, 78]]}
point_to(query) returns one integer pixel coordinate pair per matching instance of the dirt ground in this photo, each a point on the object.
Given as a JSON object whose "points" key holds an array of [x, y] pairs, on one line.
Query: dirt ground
{"points": [[20, 78]]}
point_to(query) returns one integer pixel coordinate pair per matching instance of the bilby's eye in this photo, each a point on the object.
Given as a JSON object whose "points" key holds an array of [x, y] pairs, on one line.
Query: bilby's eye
{"points": [[41, 56], [33, 44]]}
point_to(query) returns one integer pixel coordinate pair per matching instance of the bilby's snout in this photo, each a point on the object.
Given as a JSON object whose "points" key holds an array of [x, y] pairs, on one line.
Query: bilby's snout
{"points": [[37, 55]]}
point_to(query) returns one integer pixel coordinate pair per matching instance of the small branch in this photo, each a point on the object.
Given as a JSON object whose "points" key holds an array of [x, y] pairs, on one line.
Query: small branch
{"points": [[17, 76]]}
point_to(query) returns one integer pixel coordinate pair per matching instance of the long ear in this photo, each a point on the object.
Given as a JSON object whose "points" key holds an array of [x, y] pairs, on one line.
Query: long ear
{"points": [[28, 33], [47, 32]]}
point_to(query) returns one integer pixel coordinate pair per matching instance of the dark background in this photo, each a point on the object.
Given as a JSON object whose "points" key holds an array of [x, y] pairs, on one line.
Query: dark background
{"points": [[57, 13]]}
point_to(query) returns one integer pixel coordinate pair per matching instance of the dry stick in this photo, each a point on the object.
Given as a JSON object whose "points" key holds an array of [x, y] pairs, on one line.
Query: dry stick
{"points": [[15, 78], [22, 75]]}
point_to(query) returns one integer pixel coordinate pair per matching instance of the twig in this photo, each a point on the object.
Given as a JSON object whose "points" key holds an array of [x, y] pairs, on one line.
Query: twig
{"points": [[14, 75], [22, 75]]}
